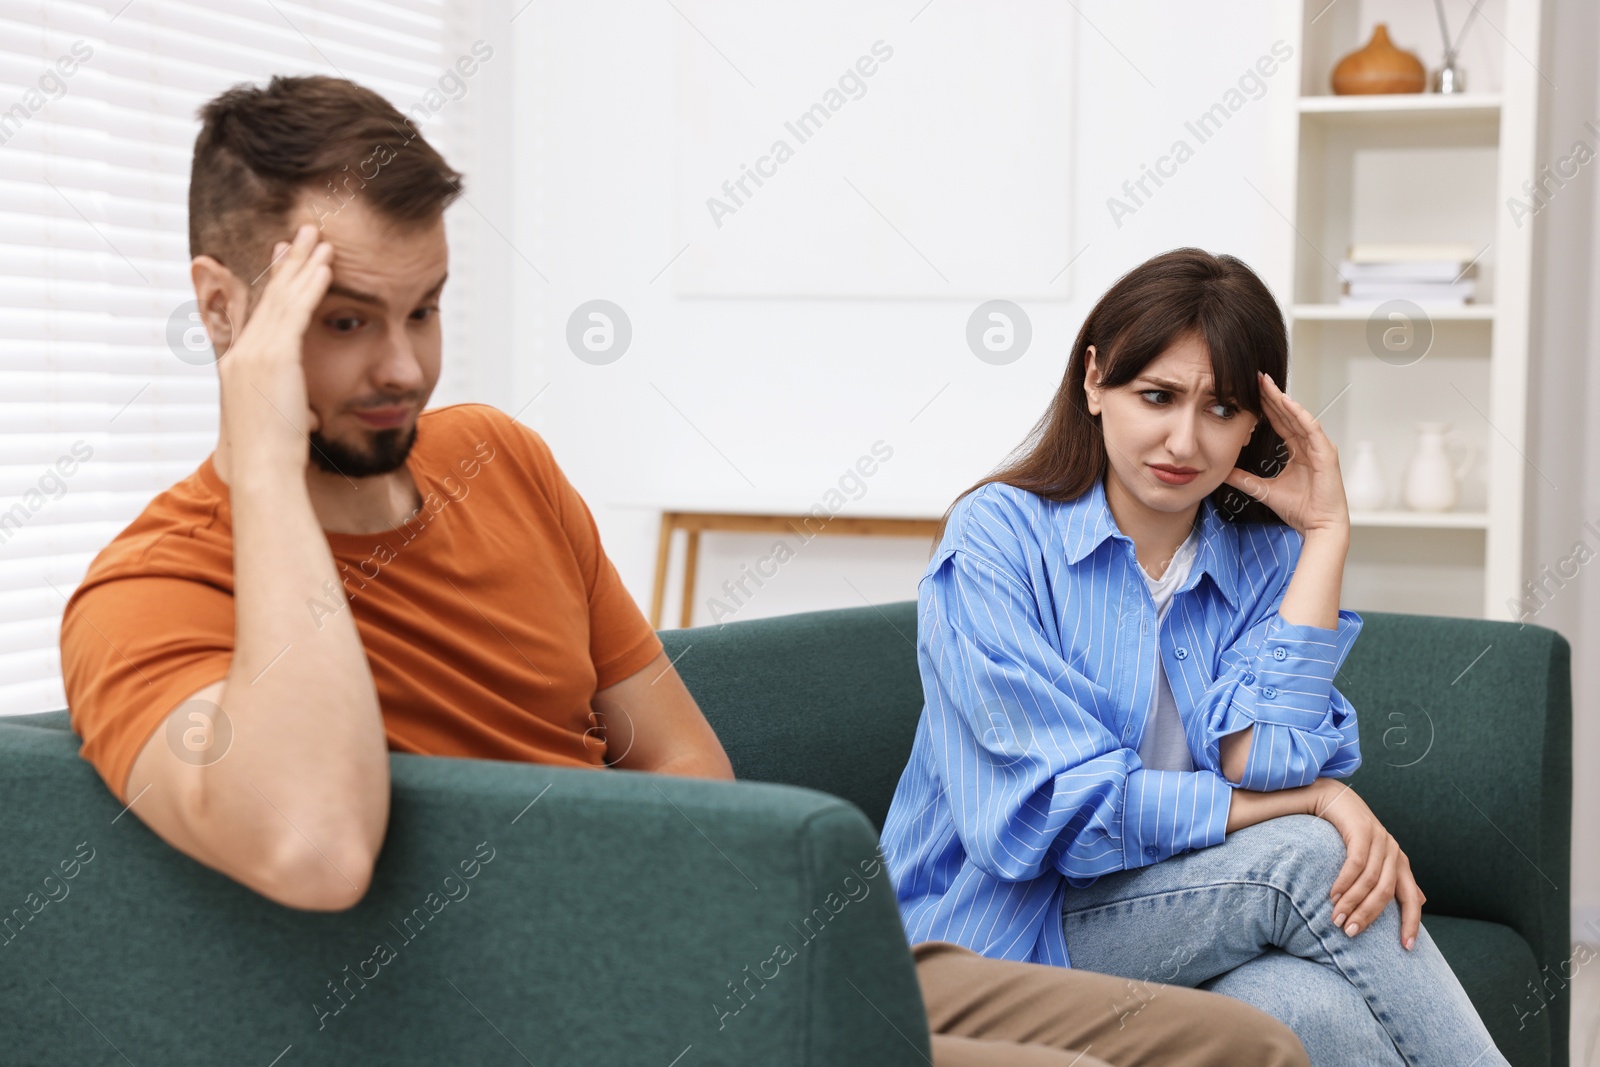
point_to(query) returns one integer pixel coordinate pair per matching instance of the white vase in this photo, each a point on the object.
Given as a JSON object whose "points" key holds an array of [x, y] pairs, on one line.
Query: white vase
{"points": [[1365, 488], [1432, 476]]}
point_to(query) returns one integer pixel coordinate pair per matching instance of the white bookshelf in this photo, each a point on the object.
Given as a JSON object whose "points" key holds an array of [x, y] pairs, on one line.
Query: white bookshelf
{"points": [[1415, 168]]}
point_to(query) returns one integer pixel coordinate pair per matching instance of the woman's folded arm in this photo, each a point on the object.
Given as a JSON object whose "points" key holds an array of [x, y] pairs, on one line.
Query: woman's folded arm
{"points": [[1036, 780], [1276, 680]]}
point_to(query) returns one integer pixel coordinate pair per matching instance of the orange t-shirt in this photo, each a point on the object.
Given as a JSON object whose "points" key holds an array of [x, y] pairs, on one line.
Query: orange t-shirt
{"points": [[489, 619]]}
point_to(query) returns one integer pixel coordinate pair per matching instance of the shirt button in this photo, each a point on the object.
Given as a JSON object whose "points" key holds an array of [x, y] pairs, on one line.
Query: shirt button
{"points": [[1247, 679], [1127, 733], [1269, 692], [1151, 851], [1280, 653], [1181, 653]]}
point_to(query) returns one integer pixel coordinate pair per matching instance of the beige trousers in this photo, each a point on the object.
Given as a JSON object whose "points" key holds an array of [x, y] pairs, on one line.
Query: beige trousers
{"points": [[1000, 1013]]}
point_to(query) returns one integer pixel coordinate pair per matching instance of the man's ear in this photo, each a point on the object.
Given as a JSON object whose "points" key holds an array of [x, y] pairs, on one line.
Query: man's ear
{"points": [[223, 299], [1091, 380]]}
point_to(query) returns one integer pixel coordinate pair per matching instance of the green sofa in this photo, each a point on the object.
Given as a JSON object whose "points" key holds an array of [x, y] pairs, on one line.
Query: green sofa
{"points": [[523, 913]]}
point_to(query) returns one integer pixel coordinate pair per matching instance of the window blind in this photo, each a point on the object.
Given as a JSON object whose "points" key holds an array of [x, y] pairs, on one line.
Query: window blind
{"points": [[107, 392]]}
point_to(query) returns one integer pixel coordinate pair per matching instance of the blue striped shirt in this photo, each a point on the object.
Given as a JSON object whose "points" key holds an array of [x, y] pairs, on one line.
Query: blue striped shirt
{"points": [[1037, 641]]}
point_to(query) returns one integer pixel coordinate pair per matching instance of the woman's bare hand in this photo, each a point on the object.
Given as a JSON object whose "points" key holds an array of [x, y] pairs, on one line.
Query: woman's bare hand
{"points": [[1375, 869], [1308, 493]]}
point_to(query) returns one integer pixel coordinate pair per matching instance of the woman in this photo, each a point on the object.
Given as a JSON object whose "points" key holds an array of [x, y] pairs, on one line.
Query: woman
{"points": [[1130, 751]]}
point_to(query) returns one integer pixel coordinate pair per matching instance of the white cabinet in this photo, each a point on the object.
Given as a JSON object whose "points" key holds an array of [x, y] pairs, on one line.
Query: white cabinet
{"points": [[1419, 168]]}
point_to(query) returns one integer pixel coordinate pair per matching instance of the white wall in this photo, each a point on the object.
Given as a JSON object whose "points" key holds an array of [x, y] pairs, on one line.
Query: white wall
{"points": [[763, 396], [1565, 394], [792, 391]]}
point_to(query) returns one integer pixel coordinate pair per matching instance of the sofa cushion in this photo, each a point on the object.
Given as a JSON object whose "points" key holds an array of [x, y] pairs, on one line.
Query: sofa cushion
{"points": [[1495, 966]]}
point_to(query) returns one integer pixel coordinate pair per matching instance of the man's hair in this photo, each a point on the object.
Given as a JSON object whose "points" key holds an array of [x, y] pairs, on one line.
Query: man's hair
{"points": [[260, 148]]}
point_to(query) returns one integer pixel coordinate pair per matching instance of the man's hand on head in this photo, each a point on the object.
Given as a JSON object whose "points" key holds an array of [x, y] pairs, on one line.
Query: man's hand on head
{"points": [[266, 413]]}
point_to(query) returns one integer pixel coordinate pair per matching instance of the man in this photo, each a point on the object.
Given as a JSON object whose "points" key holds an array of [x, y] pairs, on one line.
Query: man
{"points": [[349, 567]]}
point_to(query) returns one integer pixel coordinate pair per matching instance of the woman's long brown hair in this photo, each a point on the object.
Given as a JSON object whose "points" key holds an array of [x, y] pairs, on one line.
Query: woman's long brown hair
{"points": [[1181, 293]]}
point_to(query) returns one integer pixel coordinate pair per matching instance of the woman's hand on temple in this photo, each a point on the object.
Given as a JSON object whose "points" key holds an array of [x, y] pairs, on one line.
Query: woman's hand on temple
{"points": [[1375, 870], [1308, 493]]}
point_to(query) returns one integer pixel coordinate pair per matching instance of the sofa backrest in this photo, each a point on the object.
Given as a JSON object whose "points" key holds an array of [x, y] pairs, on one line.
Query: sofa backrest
{"points": [[827, 699]]}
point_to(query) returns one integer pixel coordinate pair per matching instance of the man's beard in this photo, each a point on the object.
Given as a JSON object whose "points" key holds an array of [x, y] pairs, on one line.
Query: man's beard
{"points": [[387, 452]]}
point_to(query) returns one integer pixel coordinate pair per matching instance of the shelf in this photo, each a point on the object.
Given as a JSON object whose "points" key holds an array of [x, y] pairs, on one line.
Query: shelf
{"points": [[1418, 168], [1424, 520], [1359, 313], [1389, 109]]}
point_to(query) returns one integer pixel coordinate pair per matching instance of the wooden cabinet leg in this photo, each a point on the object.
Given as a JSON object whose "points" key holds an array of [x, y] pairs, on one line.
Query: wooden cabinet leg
{"points": [[691, 563], [658, 593]]}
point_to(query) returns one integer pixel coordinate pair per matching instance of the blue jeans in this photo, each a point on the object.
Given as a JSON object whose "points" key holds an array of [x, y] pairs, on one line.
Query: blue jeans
{"points": [[1250, 918]]}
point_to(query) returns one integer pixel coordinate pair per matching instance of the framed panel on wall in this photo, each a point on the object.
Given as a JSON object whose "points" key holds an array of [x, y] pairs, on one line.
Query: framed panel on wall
{"points": [[802, 162]]}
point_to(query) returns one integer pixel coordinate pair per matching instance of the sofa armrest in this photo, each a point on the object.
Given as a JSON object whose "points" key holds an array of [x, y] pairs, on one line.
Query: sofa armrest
{"points": [[573, 915]]}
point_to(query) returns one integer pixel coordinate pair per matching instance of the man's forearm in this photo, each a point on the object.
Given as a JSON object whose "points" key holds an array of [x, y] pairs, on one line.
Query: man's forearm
{"points": [[309, 762]]}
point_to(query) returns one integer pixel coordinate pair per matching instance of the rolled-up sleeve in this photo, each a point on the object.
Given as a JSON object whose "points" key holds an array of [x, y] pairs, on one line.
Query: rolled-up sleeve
{"points": [[1278, 677], [1037, 781]]}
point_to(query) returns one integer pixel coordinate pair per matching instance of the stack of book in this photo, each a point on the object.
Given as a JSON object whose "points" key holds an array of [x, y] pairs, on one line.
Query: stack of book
{"points": [[1424, 273]]}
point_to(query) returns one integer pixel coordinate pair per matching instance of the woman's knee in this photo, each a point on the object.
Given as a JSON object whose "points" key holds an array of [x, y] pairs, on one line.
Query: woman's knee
{"points": [[1296, 848]]}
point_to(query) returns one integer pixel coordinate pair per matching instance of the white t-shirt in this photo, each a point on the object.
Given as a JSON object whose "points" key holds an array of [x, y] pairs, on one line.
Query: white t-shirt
{"points": [[1164, 746]]}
